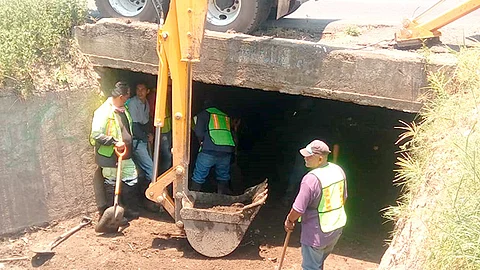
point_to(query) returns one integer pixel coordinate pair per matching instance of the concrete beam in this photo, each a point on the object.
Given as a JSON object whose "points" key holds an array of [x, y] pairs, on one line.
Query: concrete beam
{"points": [[385, 78]]}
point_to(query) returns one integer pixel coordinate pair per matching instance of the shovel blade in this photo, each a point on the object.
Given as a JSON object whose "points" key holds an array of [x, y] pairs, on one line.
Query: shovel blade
{"points": [[43, 251], [110, 220]]}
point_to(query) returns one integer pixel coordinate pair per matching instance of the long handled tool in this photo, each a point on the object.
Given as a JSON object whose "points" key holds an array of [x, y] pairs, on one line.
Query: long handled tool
{"points": [[49, 249], [285, 244], [112, 217]]}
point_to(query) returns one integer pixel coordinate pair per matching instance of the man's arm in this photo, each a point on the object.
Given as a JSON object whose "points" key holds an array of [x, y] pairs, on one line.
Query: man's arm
{"points": [[302, 201], [345, 192], [98, 130], [289, 223], [140, 131]]}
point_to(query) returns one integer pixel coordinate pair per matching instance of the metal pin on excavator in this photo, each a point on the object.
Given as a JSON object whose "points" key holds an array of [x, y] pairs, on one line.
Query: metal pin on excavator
{"points": [[211, 232]]}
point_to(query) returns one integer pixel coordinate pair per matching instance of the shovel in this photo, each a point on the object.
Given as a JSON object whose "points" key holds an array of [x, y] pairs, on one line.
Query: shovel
{"points": [[49, 249], [112, 217]]}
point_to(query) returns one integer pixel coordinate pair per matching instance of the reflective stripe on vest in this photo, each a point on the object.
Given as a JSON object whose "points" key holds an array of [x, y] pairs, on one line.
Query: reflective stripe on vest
{"points": [[331, 211], [219, 128]]}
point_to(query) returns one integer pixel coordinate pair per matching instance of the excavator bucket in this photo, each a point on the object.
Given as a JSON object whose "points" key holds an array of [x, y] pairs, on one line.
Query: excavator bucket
{"points": [[215, 224]]}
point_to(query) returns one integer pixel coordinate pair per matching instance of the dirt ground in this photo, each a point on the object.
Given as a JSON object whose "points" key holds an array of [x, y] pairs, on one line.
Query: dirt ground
{"points": [[152, 242], [362, 36]]}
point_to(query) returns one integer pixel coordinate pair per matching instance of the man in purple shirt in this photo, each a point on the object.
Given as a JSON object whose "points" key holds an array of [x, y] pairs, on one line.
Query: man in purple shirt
{"points": [[320, 204]]}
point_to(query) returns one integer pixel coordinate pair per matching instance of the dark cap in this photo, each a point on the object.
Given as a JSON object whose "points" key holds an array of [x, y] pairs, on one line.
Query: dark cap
{"points": [[315, 147]]}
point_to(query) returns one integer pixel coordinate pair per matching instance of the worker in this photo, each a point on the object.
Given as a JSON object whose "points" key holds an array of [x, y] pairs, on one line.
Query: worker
{"points": [[112, 127], [217, 145], [165, 160], [320, 205], [142, 130]]}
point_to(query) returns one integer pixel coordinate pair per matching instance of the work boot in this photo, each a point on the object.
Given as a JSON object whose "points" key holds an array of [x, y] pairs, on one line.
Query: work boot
{"points": [[123, 222], [130, 213], [223, 187], [152, 206], [194, 186]]}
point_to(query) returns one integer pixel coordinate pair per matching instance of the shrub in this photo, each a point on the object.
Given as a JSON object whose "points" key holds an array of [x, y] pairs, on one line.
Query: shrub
{"points": [[33, 31], [440, 170]]}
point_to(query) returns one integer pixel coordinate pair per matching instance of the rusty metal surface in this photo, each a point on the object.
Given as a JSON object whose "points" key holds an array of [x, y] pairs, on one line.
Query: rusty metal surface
{"points": [[215, 224]]}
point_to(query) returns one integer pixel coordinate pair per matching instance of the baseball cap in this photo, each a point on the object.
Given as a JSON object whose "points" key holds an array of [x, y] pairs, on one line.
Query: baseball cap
{"points": [[315, 147]]}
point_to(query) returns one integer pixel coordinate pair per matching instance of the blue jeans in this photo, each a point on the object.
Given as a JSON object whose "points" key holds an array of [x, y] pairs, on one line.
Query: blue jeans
{"points": [[165, 152], [142, 159], [206, 161], [314, 257]]}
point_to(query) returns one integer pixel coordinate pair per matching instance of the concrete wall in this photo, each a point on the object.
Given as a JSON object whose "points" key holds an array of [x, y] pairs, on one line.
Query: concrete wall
{"points": [[46, 163], [385, 78]]}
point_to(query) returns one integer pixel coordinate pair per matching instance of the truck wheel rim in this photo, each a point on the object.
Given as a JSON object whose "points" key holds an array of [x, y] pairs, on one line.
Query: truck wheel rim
{"points": [[128, 8], [223, 12]]}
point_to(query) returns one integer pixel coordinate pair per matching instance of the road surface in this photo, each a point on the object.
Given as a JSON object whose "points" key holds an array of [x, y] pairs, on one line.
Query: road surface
{"points": [[390, 12]]}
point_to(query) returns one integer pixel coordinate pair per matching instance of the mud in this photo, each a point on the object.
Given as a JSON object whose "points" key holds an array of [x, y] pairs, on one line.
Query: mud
{"points": [[227, 209], [154, 242]]}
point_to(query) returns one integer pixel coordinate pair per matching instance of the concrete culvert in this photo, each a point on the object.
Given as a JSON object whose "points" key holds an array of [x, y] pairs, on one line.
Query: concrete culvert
{"points": [[275, 126]]}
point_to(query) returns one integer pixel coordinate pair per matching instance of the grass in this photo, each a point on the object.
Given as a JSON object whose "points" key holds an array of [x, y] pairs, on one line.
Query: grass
{"points": [[35, 32], [352, 30], [439, 169]]}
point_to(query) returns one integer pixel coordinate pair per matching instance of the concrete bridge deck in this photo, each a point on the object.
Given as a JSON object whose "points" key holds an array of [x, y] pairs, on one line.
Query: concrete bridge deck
{"points": [[386, 78]]}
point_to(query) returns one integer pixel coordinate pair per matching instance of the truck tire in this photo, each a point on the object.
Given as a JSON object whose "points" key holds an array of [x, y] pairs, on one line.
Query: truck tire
{"points": [[243, 16], [140, 10]]}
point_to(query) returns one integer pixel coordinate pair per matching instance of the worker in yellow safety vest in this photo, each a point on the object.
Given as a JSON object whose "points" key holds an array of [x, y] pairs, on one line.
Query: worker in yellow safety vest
{"points": [[320, 205], [213, 130], [112, 127]]}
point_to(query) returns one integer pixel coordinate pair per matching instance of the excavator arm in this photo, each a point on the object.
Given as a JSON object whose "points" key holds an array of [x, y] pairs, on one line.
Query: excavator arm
{"points": [[419, 28], [178, 46], [214, 223]]}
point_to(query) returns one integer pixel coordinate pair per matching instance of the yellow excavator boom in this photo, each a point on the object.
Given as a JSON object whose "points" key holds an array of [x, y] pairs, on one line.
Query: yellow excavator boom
{"points": [[421, 29], [178, 45], [210, 231]]}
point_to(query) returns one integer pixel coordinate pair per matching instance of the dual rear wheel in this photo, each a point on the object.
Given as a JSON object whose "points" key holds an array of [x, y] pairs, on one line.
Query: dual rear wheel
{"points": [[243, 16]]}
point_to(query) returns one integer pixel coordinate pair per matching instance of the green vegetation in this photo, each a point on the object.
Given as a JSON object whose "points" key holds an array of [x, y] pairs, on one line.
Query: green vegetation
{"points": [[33, 32], [353, 30], [440, 170]]}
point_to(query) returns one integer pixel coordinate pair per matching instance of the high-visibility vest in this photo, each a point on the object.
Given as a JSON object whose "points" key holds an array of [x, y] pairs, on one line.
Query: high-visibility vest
{"points": [[167, 125], [219, 128], [112, 128], [331, 211]]}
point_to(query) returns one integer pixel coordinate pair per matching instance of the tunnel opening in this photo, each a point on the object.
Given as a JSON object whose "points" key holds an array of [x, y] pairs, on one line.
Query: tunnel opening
{"points": [[274, 126]]}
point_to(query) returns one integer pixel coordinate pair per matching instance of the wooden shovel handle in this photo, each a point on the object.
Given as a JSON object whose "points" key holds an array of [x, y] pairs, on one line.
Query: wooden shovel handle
{"points": [[285, 244], [119, 173]]}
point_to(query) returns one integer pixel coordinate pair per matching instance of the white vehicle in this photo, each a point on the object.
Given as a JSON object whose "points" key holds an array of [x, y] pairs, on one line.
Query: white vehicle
{"points": [[243, 16]]}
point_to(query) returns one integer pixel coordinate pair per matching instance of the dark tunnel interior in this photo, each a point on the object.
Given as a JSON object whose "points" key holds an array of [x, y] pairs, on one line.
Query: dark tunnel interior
{"points": [[275, 126]]}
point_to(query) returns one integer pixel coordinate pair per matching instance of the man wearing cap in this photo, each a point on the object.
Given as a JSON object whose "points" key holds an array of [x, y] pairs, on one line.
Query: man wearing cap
{"points": [[320, 205]]}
